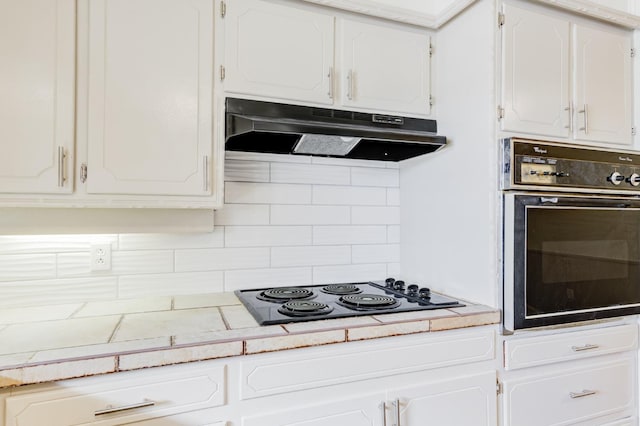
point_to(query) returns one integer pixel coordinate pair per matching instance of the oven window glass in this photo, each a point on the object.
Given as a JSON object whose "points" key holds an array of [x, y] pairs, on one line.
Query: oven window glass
{"points": [[581, 258]]}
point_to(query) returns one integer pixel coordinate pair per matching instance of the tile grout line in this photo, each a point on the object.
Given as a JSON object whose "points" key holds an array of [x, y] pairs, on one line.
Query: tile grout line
{"points": [[115, 329]]}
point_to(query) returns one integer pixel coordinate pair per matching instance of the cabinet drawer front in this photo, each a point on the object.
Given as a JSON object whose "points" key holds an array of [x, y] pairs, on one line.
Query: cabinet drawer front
{"points": [[567, 398], [529, 352], [111, 400], [268, 375]]}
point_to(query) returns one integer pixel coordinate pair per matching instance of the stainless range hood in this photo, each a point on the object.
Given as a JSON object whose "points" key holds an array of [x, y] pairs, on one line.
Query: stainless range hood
{"points": [[256, 126]]}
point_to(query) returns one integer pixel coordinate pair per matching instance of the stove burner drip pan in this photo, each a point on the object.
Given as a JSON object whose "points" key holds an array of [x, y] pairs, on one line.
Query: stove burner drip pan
{"points": [[285, 294], [368, 302], [304, 308], [341, 289]]}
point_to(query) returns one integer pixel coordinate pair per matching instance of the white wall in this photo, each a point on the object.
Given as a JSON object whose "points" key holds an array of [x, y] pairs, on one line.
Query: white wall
{"points": [[287, 221], [450, 199]]}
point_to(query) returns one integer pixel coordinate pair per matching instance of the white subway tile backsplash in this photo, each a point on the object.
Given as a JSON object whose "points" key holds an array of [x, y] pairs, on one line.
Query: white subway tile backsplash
{"points": [[57, 291], [375, 215], [393, 234], [267, 236], [349, 273], [171, 241], [363, 176], [242, 214], [393, 196], [27, 266], [310, 256], [271, 277], [358, 234], [145, 285], [309, 215], [288, 220], [246, 171], [221, 259], [394, 270], [266, 193], [376, 253], [349, 195], [315, 173]]}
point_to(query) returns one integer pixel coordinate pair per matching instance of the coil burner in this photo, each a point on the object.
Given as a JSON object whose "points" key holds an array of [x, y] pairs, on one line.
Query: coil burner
{"points": [[285, 294], [367, 302], [341, 289], [304, 308]]}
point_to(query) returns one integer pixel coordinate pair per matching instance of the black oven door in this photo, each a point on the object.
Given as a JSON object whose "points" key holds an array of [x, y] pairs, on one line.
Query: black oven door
{"points": [[569, 259]]}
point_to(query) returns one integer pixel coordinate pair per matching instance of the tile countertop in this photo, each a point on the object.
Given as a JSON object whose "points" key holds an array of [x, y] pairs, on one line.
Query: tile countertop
{"points": [[48, 343]]}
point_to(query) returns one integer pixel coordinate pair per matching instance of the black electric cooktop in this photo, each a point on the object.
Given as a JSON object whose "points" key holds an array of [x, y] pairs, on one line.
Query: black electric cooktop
{"points": [[281, 305]]}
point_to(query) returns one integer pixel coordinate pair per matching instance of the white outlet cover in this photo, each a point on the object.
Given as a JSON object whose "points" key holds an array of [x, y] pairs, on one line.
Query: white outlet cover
{"points": [[101, 257]]}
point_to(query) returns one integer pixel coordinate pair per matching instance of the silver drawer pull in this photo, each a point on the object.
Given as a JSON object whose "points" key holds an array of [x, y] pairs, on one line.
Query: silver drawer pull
{"points": [[111, 409], [586, 347], [582, 394]]}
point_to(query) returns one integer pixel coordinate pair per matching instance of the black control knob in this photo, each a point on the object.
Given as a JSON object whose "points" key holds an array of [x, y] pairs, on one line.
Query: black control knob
{"points": [[389, 282], [398, 285], [412, 289], [424, 293], [615, 178], [634, 179]]}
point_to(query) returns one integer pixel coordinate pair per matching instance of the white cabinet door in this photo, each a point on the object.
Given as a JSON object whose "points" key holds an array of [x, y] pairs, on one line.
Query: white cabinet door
{"points": [[37, 90], [346, 411], [535, 73], [150, 97], [463, 401], [603, 85], [384, 67], [279, 51]]}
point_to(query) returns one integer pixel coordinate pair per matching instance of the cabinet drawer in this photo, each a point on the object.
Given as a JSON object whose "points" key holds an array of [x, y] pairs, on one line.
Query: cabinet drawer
{"points": [[120, 397], [275, 373], [565, 398], [528, 352]]}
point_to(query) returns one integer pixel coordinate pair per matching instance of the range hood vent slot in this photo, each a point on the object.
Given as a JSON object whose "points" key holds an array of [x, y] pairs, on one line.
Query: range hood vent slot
{"points": [[256, 126]]}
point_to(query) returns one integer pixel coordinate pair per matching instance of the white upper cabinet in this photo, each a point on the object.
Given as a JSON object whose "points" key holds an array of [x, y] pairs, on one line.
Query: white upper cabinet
{"points": [[535, 94], [150, 97], [279, 51], [602, 85], [565, 78], [291, 51], [384, 67], [37, 89]]}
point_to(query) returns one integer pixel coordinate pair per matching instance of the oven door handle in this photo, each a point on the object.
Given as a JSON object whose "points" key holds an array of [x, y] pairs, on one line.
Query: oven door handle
{"points": [[553, 200]]}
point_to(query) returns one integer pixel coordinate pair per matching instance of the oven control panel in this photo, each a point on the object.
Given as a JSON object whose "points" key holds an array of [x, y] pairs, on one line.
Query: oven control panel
{"points": [[529, 164]]}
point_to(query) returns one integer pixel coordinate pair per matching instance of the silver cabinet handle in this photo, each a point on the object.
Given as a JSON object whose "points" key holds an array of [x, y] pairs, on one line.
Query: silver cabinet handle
{"points": [[585, 111], [586, 347], [585, 392], [61, 158], [205, 172], [350, 85], [330, 76], [383, 407], [396, 405], [570, 113], [110, 409]]}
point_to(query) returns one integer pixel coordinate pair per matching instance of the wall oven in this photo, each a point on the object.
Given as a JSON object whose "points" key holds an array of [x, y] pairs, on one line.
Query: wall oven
{"points": [[571, 233]]}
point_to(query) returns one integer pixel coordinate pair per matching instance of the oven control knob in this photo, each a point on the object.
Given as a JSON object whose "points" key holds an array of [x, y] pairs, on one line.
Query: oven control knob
{"points": [[412, 289], [389, 282], [424, 293], [634, 179], [615, 178], [398, 285]]}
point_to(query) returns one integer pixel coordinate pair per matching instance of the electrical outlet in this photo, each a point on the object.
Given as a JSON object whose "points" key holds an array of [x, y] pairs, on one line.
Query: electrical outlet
{"points": [[101, 257]]}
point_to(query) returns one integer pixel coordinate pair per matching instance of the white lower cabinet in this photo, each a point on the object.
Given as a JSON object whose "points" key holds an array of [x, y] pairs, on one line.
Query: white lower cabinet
{"points": [[584, 376]]}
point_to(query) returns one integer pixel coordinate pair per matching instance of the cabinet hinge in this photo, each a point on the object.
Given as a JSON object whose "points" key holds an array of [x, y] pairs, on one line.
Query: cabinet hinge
{"points": [[430, 50], [633, 52], [500, 20], [223, 8], [500, 112], [498, 387], [222, 73], [83, 173], [430, 100], [633, 131]]}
